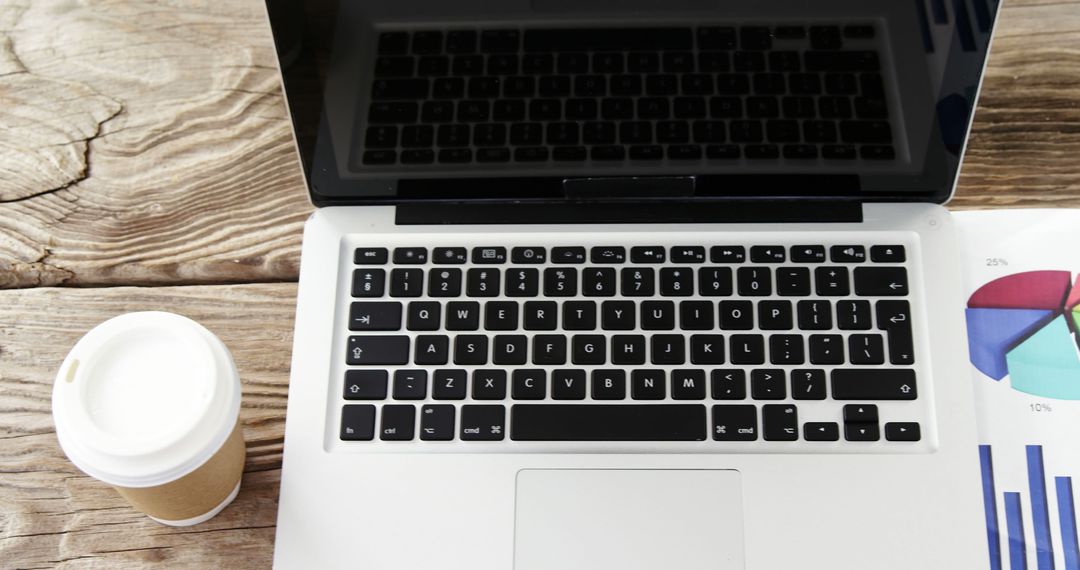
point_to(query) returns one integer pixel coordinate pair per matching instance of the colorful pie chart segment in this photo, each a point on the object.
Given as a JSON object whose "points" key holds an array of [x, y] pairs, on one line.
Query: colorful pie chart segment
{"points": [[1025, 326]]}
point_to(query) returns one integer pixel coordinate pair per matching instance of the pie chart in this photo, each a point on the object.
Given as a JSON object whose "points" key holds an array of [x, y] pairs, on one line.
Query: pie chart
{"points": [[1026, 326]]}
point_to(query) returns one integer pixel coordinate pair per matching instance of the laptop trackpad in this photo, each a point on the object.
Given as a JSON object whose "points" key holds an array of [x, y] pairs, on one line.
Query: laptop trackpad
{"points": [[628, 519]]}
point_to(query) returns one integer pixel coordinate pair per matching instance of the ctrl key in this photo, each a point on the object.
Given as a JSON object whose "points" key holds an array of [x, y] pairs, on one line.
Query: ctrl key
{"points": [[357, 422], [483, 423]]}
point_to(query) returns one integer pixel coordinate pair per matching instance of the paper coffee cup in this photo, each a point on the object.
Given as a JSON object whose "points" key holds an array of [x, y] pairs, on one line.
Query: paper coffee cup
{"points": [[149, 403]]}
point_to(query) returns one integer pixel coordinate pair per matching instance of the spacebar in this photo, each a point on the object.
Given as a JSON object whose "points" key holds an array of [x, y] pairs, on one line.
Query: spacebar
{"points": [[598, 422]]}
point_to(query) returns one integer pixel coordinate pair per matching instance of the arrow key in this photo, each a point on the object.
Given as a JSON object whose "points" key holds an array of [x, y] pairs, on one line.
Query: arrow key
{"points": [[862, 432], [437, 422], [902, 431], [821, 431], [860, 413]]}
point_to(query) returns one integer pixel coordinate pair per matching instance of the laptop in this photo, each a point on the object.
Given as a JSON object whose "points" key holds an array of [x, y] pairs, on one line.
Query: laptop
{"points": [[630, 284]]}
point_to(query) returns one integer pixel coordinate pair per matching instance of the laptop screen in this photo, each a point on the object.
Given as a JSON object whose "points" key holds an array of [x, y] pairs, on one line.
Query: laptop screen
{"points": [[551, 100]]}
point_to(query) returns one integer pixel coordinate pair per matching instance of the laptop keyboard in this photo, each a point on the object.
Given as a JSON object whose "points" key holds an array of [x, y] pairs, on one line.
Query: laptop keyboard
{"points": [[694, 343], [566, 96]]}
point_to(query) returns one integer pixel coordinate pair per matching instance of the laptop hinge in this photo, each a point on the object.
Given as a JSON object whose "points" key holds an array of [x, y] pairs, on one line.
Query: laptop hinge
{"points": [[749, 211]]}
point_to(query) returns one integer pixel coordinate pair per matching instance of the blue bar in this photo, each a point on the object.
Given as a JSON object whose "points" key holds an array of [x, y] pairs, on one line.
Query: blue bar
{"points": [[1067, 516], [993, 542], [1014, 520], [1040, 512]]}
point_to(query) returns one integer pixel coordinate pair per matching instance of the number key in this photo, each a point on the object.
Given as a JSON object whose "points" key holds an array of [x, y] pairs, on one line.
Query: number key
{"points": [[676, 282], [598, 282], [406, 282], [755, 281], [483, 282], [638, 282], [560, 282], [445, 283]]}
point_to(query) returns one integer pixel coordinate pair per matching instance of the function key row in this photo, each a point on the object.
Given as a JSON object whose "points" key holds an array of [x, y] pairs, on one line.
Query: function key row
{"points": [[638, 254]]}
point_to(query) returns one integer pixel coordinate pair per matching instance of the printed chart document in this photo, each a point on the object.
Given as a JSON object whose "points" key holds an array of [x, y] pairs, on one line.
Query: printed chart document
{"points": [[1023, 315]]}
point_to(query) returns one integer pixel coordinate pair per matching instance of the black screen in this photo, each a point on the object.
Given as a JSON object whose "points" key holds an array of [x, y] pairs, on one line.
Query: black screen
{"points": [[682, 100]]}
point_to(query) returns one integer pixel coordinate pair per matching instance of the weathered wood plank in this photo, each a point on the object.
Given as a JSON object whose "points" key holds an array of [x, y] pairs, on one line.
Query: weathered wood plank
{"points": [[194, 179], [51, 513]]}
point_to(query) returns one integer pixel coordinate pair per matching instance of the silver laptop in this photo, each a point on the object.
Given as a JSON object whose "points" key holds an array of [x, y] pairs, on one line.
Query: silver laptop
{"points": [[630, 284]]}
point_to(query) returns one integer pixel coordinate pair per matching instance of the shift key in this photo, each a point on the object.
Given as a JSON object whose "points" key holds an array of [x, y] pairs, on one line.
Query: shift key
{"points": [[377, 350], [873, 384]]}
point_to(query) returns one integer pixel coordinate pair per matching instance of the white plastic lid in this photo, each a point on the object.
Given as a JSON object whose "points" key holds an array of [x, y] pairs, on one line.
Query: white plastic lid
{"points": [[145, 398]]}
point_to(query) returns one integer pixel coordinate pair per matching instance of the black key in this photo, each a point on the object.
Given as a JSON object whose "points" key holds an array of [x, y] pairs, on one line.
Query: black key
{"points": [[482, 282], [647, 385], [379, 157], [668, 349], [467, 112], [483, 423], [647, 254], [714, 61], [842, 61], [493, 155], [375, 349], [365, 385], [754, 281], [531, 154], [588, 349], [873, 384], [599, 133], [638, 282], [538, 63], [549, 349], [881, 281], [433, 65], [887, 254], [646, 152], [357, 422], [865, 132], [368, 282], [503, 65], [866, 349], [568, 385], [627, 349], [786, 349], [528, 255], [608, 152], [876, 152], [370, 256], [800, 151], [808, 384], [714, 281], [399, 89], [606, 62], [632, 132], [410, 255], [462, 316], [853, 315], [688, 384], [437, 422], [707, 349], [509, 349], [519, 87], [598, 282], [623, 85], [449, 256], [737, 422], [390, 112], [508, 110], [693, 108], [522, 282], [775, 315], [831, 281], [793, 281], [815, 315], [728, 384], [840, 84], [762, 151], [716, 38], [784, 61], [608, 384], [748, 61], [902, 431], [499, 41], [470, 349], [696, 315], [826, 349], [684, 152], [768, 384], [501, 315], [859, 31], [611, 422], [467, 65], [394, 66], [410, 384], [384, 136], [834, 107], [427, 41], [540, 315], [804, 84], [736, 315], [590, 86], [393, 43], [526, 133], [418, 136], [676, 282], [572, 63], [568, 255], [746, 132], [860, 413], [580, 110], [445, 283], [847, 253], [560, 282], [802, 108], [779, 422], [489, 135], [725, 107], [528, 385], [808, 253], [871, 108], [489, 384], [709, 132], [432, 349], [688, 254], [374, 316], [895, 318], [554, 86], [747, 349], [545, 110], [652, 108], [617, 315], [821, 431], [825, 37], [862, 432], [448, 385], [661, 85], [437, 111], [657, 315], [769, 84], [406, 282], [607, 254], [767, 254]]}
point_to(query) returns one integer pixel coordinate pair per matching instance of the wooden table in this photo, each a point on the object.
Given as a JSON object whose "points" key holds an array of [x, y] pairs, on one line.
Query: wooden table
{"points": [[146, 163]]}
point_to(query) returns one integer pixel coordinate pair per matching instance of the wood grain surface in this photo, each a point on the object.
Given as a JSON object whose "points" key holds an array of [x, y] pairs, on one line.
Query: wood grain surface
{"points": [[146, 163], [51, 514]]}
